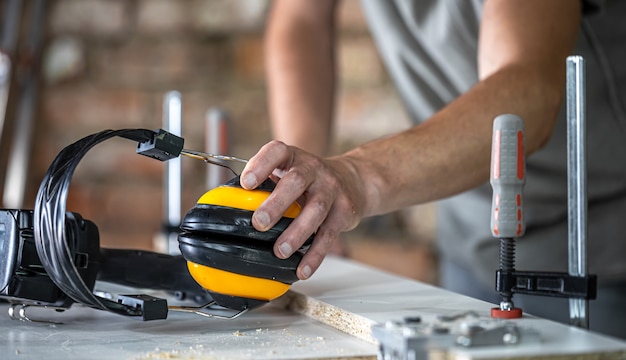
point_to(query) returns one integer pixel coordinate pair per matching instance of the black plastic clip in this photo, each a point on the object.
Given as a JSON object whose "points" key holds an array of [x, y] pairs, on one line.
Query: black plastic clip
{"points": [[163, 146], [150, 307]]}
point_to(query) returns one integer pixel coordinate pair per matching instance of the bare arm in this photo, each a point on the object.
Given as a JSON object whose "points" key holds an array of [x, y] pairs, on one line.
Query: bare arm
{"points": [[300, 62], [522, 51], [523, 46]]}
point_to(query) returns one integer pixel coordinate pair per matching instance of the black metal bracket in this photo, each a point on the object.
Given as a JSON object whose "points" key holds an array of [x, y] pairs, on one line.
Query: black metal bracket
{"points": [[553, 284]]}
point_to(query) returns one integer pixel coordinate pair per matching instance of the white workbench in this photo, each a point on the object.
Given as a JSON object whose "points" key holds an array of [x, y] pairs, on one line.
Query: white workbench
{"points": [[363, 295]]}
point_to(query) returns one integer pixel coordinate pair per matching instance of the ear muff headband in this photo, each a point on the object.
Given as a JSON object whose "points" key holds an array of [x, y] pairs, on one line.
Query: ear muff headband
{"points": [[50, 231]]}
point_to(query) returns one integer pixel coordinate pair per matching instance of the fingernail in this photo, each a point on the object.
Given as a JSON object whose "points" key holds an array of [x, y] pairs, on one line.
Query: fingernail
{"points": [[306, 271], [249, 180], [285, 250], [262, 219]]}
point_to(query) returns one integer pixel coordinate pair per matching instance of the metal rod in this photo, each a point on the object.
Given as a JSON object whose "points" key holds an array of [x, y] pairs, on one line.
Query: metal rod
{"points": [[172, 122], [577, 188], [12, 14], [205, 156], [19, 155], [216, 142], [199, 310]]}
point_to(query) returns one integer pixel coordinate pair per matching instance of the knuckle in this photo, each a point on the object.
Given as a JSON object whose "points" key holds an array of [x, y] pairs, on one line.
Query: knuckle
{"points": [[333, 183], [277, 144], [298, 177], [319, 206], [274, 149], [316, 162]]}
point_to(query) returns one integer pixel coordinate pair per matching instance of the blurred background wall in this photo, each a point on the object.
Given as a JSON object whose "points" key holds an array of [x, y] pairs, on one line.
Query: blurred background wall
{"points": [[108, 64]]}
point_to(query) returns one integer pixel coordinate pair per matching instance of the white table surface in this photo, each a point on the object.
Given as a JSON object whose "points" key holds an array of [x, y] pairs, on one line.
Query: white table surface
{"points": [[272, 332]]}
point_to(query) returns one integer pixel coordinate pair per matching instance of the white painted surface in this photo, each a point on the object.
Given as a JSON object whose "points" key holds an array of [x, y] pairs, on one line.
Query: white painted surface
{"points": [[380, 296], [268, 333], [271, 332]]}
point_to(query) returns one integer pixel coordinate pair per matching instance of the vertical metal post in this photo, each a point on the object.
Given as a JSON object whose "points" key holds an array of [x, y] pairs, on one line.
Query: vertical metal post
{"points": [[172, 122], [216, 142], [8, 39], [19, 155], [576, 183]]}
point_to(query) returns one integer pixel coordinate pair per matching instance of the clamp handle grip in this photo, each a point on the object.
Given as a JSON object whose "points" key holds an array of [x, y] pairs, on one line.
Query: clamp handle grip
{"points": [[507, 177]]}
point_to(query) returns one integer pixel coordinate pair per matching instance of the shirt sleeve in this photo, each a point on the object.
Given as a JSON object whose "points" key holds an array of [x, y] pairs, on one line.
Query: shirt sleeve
{"points": [[593, 7]]}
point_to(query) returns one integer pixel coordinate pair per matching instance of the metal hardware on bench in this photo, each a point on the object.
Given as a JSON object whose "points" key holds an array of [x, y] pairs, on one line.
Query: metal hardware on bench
{"points": [[415, 338]]}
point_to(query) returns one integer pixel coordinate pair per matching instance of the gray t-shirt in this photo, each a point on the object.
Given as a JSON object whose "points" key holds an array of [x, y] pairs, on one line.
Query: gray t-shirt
{"points": [[430, 50]]}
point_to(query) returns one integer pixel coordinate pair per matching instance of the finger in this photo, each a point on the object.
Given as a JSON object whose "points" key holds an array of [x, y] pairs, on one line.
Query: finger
{"points": [[273, 155], [340, 218], [304, 225], [324, 239], [287, 191]]}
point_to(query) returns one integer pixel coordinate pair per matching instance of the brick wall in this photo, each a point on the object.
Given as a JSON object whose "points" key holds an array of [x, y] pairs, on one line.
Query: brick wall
{"points": [[108, 64]]}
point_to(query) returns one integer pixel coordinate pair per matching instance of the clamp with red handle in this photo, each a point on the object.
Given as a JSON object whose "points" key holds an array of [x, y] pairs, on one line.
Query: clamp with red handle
{"points": [[507, 178]]}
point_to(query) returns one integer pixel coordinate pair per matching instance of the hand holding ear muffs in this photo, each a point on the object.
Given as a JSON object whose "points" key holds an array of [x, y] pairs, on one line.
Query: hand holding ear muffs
{"points": [[227, 256]]}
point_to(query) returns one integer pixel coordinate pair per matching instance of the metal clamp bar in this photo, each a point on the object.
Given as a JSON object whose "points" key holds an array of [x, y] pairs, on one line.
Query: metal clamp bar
{"points": [[172, 122], [577, 188]]}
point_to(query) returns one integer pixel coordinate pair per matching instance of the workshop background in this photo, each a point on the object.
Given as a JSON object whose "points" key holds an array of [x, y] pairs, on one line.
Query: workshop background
{"points": [[108, 64]]}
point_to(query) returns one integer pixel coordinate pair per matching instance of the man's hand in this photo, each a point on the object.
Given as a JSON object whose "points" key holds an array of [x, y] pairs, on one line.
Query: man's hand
{"points": [[329, 190]]}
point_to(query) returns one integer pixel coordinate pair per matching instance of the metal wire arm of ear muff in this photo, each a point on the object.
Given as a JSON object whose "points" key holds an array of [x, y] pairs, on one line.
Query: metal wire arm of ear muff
{"points": [[198, 310], [213, 158]]}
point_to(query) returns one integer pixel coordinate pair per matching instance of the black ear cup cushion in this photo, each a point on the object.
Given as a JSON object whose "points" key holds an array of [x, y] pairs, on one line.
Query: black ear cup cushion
{"points": [[236, 302], [240, 256], [217, 219]]}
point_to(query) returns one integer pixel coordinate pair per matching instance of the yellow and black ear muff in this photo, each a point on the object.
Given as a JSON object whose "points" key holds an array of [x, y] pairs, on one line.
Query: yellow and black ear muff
{"points": [[227, 256]]}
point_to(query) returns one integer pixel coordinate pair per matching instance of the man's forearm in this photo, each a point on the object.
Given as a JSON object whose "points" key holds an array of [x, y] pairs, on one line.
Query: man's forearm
{"points": [[450, 153], [523, 47]]}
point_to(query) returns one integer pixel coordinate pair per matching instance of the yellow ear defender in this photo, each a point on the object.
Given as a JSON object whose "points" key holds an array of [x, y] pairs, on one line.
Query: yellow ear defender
{"points": [[227, 256]]}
